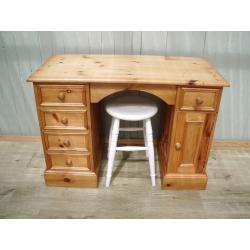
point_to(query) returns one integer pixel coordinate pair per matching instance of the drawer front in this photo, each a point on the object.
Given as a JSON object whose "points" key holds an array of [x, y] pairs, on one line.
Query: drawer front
{"points": [[66, 95], [70, 179], [65, 119], [199, 99], [69, 162], [78, 142]]}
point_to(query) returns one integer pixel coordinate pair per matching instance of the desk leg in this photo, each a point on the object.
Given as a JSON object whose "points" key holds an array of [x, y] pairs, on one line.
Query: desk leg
{"points": [[97, 142]]}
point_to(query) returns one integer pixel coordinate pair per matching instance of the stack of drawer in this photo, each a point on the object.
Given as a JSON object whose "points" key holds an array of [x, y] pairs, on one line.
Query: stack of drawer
{"points": [[63, 116], [191, 138]]}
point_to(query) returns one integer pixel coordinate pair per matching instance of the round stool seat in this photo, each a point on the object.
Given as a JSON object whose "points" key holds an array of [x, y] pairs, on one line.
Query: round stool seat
{"points": [[131, 108]]}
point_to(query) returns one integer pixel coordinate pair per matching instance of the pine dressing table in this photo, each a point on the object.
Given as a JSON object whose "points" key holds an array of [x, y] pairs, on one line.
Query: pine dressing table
{"points": [[69, 88]]}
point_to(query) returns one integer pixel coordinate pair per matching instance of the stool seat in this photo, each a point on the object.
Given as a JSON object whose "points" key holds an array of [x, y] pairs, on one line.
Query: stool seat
{"points": [[131, 108]]}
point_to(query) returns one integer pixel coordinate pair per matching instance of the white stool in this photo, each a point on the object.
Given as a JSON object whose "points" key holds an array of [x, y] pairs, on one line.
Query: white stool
{"points": [[131, 108]]}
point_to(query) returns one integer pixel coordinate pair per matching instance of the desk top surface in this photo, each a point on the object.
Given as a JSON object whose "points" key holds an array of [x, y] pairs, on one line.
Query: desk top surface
{"points": [[77, 68]]}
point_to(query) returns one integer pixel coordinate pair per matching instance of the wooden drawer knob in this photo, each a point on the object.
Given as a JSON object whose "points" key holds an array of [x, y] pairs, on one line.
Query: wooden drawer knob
{"points": [[64, 121], [69, 163], [66, 143], [61, 96], [66, 179], [177, 146], [199, 100]]}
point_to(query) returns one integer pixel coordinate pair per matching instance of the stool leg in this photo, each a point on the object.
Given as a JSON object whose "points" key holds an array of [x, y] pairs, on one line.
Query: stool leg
{"points": [[149, 137], [145, 137], [112, 149], [110, 131]]}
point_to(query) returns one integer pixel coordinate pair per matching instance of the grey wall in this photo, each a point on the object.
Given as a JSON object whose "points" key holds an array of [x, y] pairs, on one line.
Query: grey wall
{"points": [[22, 52]]}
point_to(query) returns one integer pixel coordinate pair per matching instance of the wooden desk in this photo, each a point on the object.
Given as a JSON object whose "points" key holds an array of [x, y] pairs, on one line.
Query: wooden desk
{"points": [[68, 89]]}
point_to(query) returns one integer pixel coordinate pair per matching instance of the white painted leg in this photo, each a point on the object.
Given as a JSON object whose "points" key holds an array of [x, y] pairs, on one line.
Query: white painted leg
{"points": [[110, 131], [149, 137], [145, 138], [112, 149]]}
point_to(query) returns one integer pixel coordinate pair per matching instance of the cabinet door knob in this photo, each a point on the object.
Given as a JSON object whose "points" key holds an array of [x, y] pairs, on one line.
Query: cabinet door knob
{"points": [[69, 162], [64, 121], [61, 96], [177, 146], [66, 179], [66, 143], [199, 100]]}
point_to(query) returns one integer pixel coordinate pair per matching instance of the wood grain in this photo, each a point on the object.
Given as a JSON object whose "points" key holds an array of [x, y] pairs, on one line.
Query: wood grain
{"points": [[216, 144], [57, 178], [227, 51], [199, 99], [97, 137], [67, 141], [64, 119], [186, 147], [24, 195], [184, 181], [100, 91], [62, 95], [72, 162], [188, 134], [189, 71]]}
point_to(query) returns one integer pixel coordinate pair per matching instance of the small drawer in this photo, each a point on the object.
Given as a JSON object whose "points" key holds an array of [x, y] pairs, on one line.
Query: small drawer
{"points": [[70, 179], [67, 141], [63, 95], [69, 162], [198, 99], [57, 119]]}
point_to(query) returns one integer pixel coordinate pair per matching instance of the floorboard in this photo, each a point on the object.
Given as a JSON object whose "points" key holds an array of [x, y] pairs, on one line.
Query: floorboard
{"points": [[24, 195]]}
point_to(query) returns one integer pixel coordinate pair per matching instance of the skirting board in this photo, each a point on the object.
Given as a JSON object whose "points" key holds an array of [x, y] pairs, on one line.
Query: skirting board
{"points": [[217, 144]]}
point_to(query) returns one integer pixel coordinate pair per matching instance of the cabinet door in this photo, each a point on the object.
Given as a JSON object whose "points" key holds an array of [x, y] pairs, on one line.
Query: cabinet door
{"points": [[191, 142]]}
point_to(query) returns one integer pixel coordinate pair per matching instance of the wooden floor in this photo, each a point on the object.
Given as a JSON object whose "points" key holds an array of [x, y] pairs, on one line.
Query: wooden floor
{"points": [[24, 195]]}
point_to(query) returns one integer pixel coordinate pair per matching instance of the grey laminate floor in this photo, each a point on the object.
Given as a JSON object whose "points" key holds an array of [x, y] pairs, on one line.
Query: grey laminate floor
{"points": [[24, 195]]}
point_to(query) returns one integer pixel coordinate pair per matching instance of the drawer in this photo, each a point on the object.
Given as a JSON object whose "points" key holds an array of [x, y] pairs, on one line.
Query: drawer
{"points": [[70, 179], [69, 162], [63, 95], [62, 119], [199, 99], [67, 141]]}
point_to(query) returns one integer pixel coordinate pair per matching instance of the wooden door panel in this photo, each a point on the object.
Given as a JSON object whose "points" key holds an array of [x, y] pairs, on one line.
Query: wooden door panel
{"points": [[188, 145], [193, 127]]}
